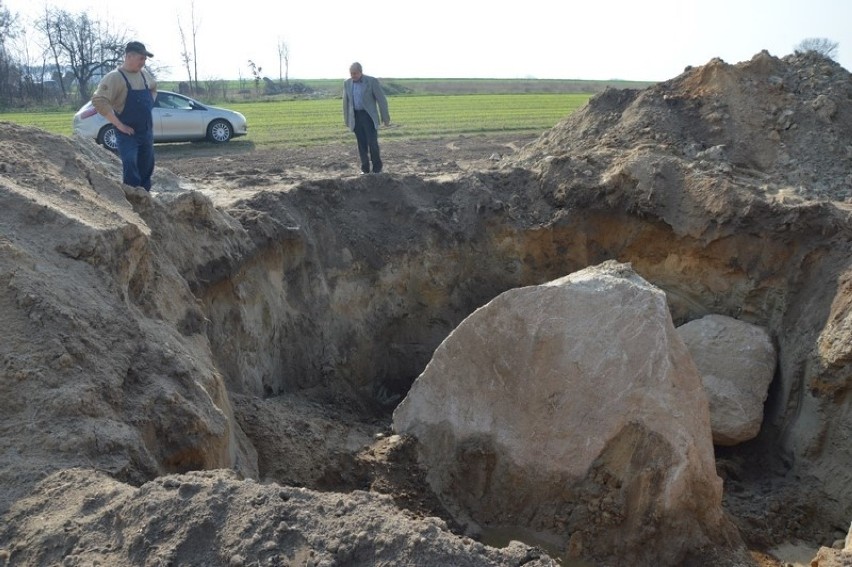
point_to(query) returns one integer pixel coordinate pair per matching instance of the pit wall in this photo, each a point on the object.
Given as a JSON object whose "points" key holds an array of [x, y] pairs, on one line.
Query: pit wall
{"points": [[357, 308]]}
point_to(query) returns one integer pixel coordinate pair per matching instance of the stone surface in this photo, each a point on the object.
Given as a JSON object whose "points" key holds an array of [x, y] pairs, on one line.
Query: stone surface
{"points": [[828, 557], [737, 362], [573, 395], [848, 542]]}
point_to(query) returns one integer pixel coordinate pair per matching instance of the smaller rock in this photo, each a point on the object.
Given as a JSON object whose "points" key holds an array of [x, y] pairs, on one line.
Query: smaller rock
{"points": [[848, 545], [737, 362]]}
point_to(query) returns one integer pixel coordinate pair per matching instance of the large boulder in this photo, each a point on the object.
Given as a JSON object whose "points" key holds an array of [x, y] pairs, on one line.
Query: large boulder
{"points": [[736, 361], [828, 557], [573, 408]]}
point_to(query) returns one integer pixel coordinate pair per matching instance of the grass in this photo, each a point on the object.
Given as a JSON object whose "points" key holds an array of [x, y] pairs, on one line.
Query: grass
{"points": [[310, 122], [434, 86], [54, 121], [307, 122]]}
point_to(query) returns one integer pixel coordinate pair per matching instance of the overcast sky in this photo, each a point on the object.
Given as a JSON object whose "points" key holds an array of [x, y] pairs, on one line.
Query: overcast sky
{"points": [[648, 40]]}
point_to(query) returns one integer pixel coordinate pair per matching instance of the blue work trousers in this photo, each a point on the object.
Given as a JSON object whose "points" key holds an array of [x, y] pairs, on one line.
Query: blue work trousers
{"points": [[137, 158]]}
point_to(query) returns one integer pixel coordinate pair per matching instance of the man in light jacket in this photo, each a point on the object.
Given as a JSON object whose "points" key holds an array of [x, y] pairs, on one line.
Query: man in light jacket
{"points": [[364, 103]]}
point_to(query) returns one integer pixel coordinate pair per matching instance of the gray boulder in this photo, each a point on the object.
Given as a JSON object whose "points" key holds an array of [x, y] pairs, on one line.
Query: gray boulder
{"points": [[577, 400], [736, 361]]}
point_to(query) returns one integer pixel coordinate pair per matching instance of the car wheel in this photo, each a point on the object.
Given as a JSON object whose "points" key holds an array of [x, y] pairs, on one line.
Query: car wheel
{"points": [[219, 131], [108, 138]]}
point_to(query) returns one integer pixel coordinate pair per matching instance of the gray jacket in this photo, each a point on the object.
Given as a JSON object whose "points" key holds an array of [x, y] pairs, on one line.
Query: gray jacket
{"points": [[374, 102]]}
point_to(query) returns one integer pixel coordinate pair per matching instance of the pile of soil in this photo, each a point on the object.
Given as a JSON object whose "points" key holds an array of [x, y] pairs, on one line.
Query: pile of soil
{"points": [[124, 440]]}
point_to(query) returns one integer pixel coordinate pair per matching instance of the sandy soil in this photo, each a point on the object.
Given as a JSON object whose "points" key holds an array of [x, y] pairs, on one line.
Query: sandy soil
{"points": [[73, 237], [241, 170], [389, 466]]}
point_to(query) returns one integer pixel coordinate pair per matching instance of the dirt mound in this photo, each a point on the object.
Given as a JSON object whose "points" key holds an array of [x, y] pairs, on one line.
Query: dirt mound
{"points": [[215, 518], [781, 127], [748, 168], [264, 312]]}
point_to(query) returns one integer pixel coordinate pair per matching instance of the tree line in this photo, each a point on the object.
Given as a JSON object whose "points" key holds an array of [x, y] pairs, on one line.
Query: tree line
{"points": [[60, 56], [71, 53]]}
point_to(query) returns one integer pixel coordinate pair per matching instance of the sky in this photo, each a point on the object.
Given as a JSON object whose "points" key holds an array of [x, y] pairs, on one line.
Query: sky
{"points": [[642, 40]]}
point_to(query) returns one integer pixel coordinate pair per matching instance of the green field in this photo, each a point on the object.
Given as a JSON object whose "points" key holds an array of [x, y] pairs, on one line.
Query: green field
{"points": [[420, 108], [246, 88], [309, 122], [55, 121], [306, 122]]}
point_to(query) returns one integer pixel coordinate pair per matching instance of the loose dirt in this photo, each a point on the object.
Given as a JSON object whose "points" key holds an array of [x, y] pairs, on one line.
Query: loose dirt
{"points": [[351, 492], [238, 171]]}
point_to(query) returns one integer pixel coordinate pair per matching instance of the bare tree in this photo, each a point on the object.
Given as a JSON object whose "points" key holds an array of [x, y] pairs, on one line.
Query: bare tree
{"points": [[27, 74], [85, 47], [821, 45], [9, 72], [8, 21], [194, 28], [284, 60], [186, 56], [256, 73]]}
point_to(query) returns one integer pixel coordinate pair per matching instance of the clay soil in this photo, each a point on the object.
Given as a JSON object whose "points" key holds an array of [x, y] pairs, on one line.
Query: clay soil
{"points": [[389, 466]]}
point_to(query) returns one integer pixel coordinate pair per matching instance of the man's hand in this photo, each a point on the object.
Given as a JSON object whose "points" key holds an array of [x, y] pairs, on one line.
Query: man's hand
{"points": [[119, 125]]}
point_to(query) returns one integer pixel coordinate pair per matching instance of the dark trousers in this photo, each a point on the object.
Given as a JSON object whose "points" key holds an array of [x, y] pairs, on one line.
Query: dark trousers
{"points": [[368, 142], [137, 158]]}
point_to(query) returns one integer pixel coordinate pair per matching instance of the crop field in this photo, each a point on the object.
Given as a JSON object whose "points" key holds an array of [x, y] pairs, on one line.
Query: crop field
{"points": [[309, 122], [56, 122], [330, 88], [306, 122]]}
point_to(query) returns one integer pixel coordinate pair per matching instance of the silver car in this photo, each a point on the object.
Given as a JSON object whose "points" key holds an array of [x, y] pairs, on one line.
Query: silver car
{"points": [[177, 118]]}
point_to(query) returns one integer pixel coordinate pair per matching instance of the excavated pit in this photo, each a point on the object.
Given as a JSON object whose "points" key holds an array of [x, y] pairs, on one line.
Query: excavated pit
{"points": [[359, 296], [727, 187], [339, 304], [271, 326]]}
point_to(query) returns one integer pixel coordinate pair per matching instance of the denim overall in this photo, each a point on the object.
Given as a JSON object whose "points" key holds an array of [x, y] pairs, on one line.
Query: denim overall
{"points": [[137, 149]]}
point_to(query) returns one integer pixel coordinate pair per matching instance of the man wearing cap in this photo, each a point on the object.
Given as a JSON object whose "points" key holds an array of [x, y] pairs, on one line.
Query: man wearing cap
{"points": [[125, 97]]}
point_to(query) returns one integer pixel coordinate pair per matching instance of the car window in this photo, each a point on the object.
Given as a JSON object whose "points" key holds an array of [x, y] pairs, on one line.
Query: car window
{"points": [[168, 100]]}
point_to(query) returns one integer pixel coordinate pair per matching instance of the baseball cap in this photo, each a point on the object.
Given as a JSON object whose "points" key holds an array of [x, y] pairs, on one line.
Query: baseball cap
{"points": [[137, 47]]}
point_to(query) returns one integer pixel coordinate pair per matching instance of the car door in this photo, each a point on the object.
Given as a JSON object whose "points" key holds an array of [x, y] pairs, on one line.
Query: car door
{"points": [[177, 118]]}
